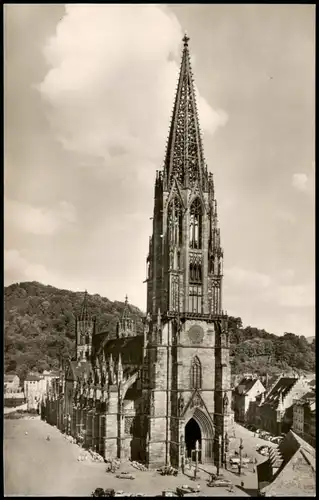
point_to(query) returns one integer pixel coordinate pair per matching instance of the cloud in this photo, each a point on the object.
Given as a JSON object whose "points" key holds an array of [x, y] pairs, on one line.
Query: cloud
{"points": [[300, 181], [243, 278], [251, 295], [113, 70], [296, 296], [18, 268], [286, 216], [286, 274], [38, 221]]}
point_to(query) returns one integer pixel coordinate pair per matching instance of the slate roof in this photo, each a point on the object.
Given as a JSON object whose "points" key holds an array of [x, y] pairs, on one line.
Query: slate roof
{"points": [[32, 378], [131, 349], [79, 369], [264, 474], [309, 395], [245, 385], [280, 389], [10, 377], [278, 483], [275, 457]]}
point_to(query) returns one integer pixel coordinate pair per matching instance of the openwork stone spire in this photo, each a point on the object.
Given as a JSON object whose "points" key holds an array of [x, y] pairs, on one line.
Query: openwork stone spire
{"points": [[184, 155]]}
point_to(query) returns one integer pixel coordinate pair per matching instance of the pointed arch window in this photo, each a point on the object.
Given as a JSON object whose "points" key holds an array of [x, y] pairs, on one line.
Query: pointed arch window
{"points": [[195, 233], [196, 375], [195, 292], [175, 222], [195, 272]]}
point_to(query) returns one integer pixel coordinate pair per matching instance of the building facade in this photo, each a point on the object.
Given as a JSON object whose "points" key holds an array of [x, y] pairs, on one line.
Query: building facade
{"points": [[275, 411], [151, 396], [11, 383], [246, 396], [36, 386], [304, 418]]}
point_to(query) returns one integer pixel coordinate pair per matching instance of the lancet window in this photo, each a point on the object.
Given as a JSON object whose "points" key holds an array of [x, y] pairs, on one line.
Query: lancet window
{"points": [[195, 272], [195, 233], [195, 298], [175, 222], [195, 284], [196, 374]]}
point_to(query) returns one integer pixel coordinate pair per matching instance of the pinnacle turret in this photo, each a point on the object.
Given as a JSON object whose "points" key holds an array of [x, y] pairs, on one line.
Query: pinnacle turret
{"points": [[126, 325], [85, 329], [84, 314]]}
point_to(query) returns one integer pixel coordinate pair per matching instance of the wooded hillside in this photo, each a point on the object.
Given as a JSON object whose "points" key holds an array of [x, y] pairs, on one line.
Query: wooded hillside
{"points": [[39, 326]]}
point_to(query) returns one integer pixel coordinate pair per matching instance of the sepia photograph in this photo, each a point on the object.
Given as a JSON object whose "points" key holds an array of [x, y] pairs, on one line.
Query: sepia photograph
{"points": [[159, 250]]}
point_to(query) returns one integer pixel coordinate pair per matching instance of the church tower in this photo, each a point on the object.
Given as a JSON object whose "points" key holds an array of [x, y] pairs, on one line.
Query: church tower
{"points": [[187, 390], [84, 331], [126, 326]]}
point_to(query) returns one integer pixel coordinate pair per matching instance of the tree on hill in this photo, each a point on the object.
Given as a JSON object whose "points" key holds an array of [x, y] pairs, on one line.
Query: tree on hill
{"points": [[40, 324], [40, 327]]}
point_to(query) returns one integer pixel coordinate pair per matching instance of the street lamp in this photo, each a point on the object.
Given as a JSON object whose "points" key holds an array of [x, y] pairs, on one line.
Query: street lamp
{"points": [[182, 453], [196, 459], [226, 448], [241, 447], [219, 454]]}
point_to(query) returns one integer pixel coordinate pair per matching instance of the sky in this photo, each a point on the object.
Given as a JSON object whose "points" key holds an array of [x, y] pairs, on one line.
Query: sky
{"points": [[89, 91]]}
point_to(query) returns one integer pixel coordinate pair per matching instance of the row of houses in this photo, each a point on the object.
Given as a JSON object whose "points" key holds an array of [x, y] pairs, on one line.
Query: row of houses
{"points": [[287, 403], [37, 386], [304, 417], [34, 389]]}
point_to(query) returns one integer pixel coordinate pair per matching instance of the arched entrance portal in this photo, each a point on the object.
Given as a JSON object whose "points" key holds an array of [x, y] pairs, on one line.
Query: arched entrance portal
{"points": [[192, 434], [198, 427]]}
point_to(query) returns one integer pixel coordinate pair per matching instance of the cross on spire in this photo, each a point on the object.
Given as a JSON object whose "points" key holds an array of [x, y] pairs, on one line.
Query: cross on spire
{"points": [[186, 40]]}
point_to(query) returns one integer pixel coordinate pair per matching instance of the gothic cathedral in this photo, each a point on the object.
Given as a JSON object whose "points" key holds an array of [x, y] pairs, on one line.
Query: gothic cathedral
{"points": [[186, 368], [152, 396]]}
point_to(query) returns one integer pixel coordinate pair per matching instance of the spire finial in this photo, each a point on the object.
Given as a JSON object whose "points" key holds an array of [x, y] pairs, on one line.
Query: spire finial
{"points": [[126, 299], [185, 40]]}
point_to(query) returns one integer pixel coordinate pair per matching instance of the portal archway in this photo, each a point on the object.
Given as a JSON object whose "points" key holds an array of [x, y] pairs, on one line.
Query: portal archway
{"points": [[192, 434], [205, 434]]}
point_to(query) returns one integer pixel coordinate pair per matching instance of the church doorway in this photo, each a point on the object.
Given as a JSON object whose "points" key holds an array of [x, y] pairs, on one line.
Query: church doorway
{"points": [[192, 434]]}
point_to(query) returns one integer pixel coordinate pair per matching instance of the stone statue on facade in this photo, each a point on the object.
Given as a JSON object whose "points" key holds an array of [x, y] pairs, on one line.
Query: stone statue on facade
{"points": [[180, 404], [152, 405], [225, 403]]}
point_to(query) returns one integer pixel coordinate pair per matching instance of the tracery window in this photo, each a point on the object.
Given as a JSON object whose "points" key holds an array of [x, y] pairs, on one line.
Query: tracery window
{"points": [[175, 222], [195, 284], [195, 233], [196, 375], [195, 298], [195, 272]]}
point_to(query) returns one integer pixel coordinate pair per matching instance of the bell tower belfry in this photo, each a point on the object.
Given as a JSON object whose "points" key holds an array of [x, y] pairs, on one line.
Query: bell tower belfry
{"points": [[187, 351], [84, 330]]}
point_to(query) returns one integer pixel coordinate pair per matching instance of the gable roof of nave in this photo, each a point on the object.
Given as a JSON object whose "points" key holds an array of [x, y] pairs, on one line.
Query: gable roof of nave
{"points": [[78, 370], [130, 348]]}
